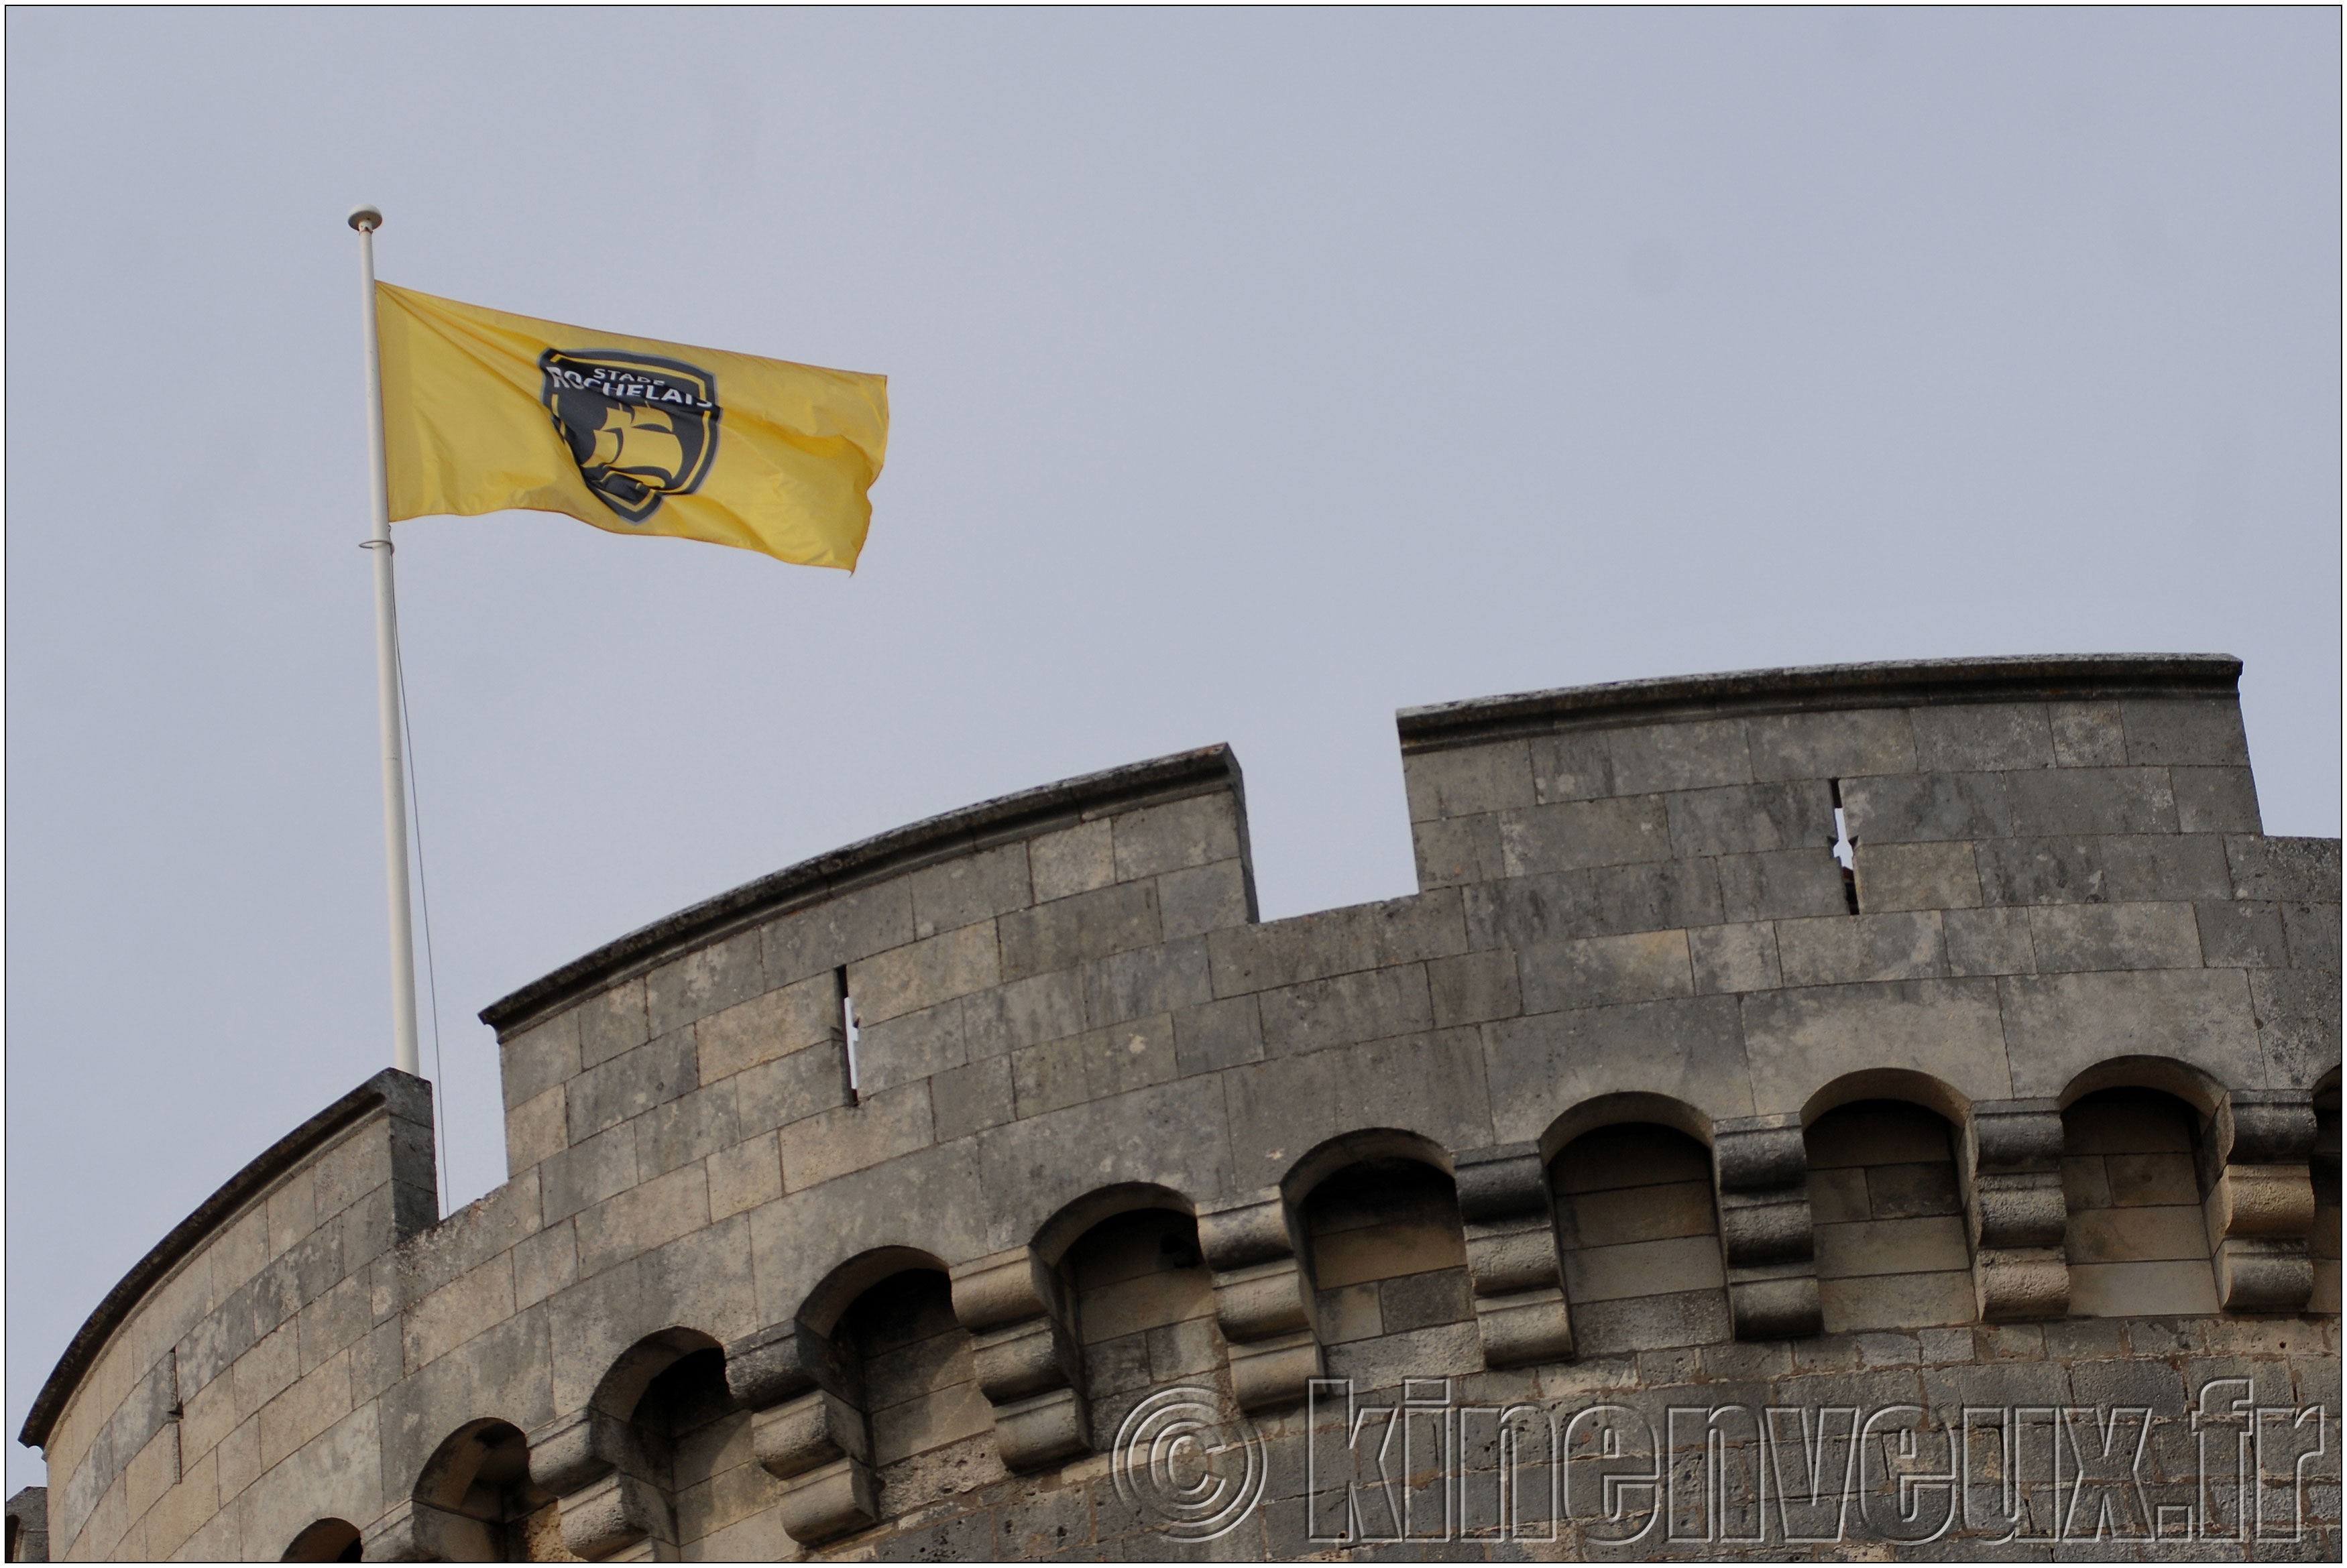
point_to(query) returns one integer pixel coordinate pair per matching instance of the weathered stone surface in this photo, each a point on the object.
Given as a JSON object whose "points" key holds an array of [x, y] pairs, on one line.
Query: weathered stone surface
{"points": [[1631, 927]]}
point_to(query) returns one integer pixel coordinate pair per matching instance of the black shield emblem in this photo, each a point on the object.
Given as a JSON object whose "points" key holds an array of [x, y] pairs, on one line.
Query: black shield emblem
{"points": [[641, 428]]}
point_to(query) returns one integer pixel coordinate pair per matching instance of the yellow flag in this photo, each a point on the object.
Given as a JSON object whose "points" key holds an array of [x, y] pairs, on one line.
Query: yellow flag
{"points": [[483, 411]]}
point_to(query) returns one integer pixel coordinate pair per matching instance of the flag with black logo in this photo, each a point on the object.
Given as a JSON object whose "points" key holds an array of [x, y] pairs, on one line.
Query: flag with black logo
{"points": [[486, 412]]}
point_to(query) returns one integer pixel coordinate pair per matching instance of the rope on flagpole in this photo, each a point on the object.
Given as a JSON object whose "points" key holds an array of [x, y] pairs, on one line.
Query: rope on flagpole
{"points": [[423, 907]]}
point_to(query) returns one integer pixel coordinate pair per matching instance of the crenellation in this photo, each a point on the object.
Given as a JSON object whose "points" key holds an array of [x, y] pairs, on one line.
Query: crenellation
{"points": [[1628, 1104]]}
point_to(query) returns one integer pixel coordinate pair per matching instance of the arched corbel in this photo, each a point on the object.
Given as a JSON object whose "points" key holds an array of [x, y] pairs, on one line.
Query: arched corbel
{"points": [[1766, 1235], [2011, 1173], [1520, 1314], [1030, 1367], [2261, 1199], [807, 1428], [1263, 1300]]}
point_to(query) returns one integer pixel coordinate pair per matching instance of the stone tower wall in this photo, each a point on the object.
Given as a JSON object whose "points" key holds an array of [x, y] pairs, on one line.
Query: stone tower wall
{"points": [[1641, 1101]]}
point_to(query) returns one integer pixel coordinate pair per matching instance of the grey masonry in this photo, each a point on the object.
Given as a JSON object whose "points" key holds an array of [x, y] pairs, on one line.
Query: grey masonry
{"points": [[871, 1209]]}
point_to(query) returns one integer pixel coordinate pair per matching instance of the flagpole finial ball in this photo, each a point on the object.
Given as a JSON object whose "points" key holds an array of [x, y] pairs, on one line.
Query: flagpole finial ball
{"points": [[367, 217]]}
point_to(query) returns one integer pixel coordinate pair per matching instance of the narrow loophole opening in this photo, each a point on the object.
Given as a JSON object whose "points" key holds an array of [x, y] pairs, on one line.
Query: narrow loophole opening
{"points": [[848, 1036], [1845, 848]]}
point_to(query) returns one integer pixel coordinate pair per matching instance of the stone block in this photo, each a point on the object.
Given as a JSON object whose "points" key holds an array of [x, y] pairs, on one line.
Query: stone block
{"points": [[1988, 941], [1836, 950], [1176, 836], [1072, 931], [1128, 1056], [1838, 1195], [2285, 870], [1071, 860], [790, 1088], [2087, 734], [1920, 1246], [1348, 1312], [921, 975], [644, 1217], [1024, 1012], [1921, 808], [1446, 1350], [612, 1021], [544, 1264], [2180, 1287], [1859, 1305], [767, 1027], [314, 1403], [1783, 885], [1423, 1300], [2193, 731], [627, 1085], [1273, 1373], [536, 1130], [1617, 1216], [1845, 744], [1043, 1431], [971, 1099], [1430, 1083], [685, 1130], [2076, 800], [1371, 1005], [1687, 755], [1203, 899], [1690, 1050], [1801, 1041], [1537, 839], [969, 889], [1404, 1245], [1217, 1034], [913, 1046], [1598, 971], [2174, 1234], [1524, 1328], [1468, 780], [835, 1142], [1982, 738], [707, 979], [1630, 1324], [1576, 765], [452, 1315], [2068, 938], [1148, 981], [1474, 988], [1934, 876], [1423, 926], [2300, 1011], [2215, 800], [2123, 868], [1751, 819], [587, 1173], [1733, 958], [816, 941], [2238, 935], [1455, 852], [1642, 1269], [2313, 932], [538, 1058], [2057, 1025], [2135, 1180]]}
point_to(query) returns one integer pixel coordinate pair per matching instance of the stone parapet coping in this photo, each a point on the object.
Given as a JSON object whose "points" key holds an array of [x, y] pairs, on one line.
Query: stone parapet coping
{"points": [[1001, 820], [1817, 688], [389, 1090]]}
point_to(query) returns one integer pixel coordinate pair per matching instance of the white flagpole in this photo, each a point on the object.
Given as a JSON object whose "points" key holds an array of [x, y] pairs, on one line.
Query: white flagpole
{"points": [[403, 1054]]}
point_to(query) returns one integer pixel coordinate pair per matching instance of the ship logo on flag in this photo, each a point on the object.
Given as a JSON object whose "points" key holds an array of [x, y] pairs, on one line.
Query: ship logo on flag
{"points": [[641, 428]]}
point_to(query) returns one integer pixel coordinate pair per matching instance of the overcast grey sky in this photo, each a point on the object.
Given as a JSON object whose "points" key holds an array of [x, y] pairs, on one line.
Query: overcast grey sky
{"points": [[1254, 374]]}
